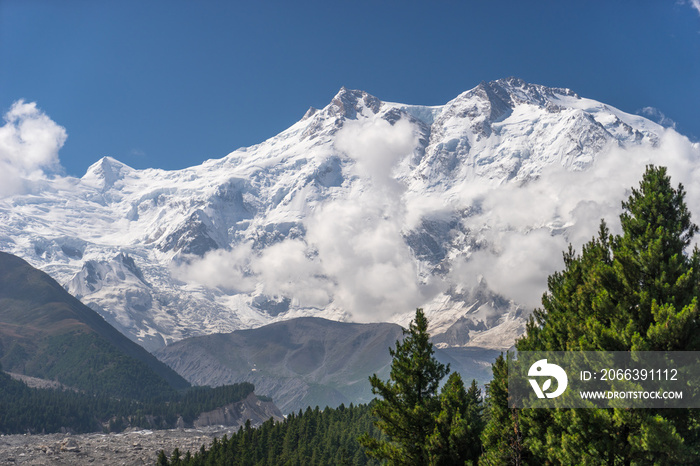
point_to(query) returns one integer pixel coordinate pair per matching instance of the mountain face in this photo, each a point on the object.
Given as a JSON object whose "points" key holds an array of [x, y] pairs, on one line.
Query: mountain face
{"points": [[306, 361], [298, 363], [361, 211], [47, 333]]}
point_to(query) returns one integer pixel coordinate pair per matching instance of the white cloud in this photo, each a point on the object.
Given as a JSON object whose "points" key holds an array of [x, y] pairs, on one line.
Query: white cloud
{"points": [[517, 266], [360, 242], [525, 229], [657, 115], [354, 256], [228, 270], [289, 269], [29, 145], [695, 4], [377, 146], [361, 247]]}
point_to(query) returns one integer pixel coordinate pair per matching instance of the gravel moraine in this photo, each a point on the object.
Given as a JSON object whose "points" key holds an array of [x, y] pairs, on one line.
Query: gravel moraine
{"points": [[129, 448]]}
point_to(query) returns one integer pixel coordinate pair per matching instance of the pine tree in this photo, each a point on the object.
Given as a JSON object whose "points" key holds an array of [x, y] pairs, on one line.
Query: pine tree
{"points": [[502, 436], [175, 459], [474, 414], [660, 280], [162, 459], [409, 403], [456, 438], [631, 292]]}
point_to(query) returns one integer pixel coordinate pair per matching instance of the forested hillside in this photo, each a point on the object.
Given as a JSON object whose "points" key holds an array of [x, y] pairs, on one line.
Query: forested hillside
{"points": [[113, 383], [47, 333], [24, 409]]}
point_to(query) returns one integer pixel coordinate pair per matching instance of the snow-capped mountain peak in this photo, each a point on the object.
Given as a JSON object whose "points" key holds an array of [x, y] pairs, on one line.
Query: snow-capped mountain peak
{"points": [[362, 210], [353, 103], [104, 173]]}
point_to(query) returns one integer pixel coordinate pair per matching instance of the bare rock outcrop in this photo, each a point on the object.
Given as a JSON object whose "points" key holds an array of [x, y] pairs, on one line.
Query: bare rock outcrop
{"points": [[236, 414]]}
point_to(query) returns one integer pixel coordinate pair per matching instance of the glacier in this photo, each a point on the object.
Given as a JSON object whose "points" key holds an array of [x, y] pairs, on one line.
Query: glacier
{"points": [[360, 211]]}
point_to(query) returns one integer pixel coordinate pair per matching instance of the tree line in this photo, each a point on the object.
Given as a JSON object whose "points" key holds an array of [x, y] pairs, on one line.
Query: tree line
{"points": [[31, 410], [312, 437]]}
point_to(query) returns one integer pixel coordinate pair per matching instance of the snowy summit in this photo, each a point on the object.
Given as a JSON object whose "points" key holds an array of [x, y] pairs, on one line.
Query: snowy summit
{"points": [[361, 211]]}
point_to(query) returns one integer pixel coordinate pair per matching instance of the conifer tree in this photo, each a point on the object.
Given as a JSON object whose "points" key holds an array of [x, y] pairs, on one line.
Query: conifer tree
{"points": [[162, 459], [409, 403], [475, 419], [456, 438], [502, 436], [636, 291], [660, 280]]}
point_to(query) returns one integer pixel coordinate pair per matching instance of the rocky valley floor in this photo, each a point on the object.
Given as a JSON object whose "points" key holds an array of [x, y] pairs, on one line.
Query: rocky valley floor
{"points": [[129, 448]]}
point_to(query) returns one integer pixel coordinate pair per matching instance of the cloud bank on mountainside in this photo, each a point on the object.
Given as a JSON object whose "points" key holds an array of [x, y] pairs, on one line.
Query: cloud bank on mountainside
{"points": [[354, 255], [525, 228], [362, 211]]}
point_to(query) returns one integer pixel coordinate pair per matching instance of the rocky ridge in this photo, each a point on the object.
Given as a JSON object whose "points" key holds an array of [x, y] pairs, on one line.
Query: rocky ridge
{"points": [[307, 361]]}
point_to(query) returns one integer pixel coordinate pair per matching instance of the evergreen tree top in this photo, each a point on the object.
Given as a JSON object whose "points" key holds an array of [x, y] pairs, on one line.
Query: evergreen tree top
{"points": [[634, 291], [637, 291], [656, 209]]}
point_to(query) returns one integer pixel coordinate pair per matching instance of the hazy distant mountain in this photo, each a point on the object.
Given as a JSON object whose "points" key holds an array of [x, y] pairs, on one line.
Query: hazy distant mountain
{"points": [[47, 333], [306, 361], [361, 211], [299, 363]]}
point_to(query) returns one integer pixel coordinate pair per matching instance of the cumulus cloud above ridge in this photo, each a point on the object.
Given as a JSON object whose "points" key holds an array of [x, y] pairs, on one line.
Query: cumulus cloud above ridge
{"points": [[29, 145]]}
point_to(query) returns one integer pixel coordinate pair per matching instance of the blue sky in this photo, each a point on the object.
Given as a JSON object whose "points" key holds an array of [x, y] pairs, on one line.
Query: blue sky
{"points": [[168, 84]]}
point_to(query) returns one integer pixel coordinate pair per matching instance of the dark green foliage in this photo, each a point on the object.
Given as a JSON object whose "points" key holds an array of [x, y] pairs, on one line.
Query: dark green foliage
{"points": [[635, 291], [45, 332], [632, 292], [162, 459], [197, 400], [312, 437], [409, 403], [458, 427], [502, 436], [660, 282], [84, 361], [422, 427], [24, 409]]}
